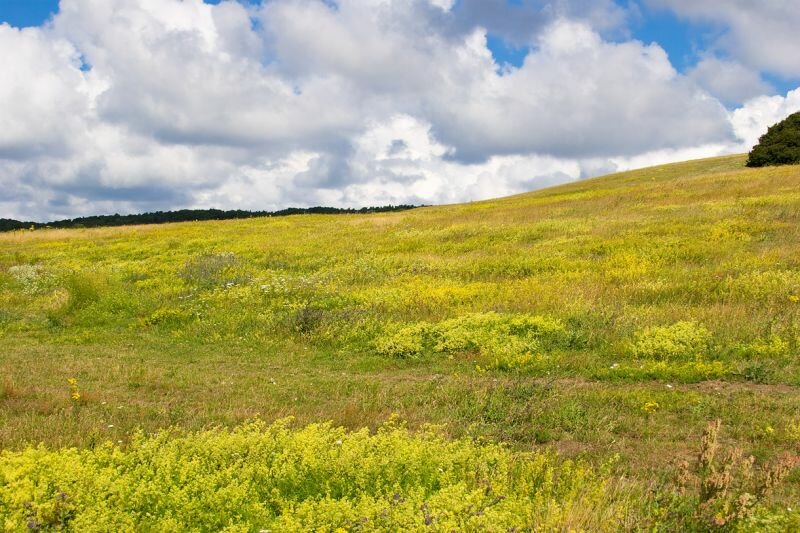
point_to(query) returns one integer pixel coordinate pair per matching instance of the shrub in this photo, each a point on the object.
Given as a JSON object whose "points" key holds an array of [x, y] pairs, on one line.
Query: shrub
{"points": [[772, 347], [779, 146], [681, 341], [318, 478], [408, 341], [509, 341]]}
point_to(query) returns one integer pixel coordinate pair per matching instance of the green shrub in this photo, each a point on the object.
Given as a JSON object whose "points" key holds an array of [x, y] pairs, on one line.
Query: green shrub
{"points": [[318, 478], [681, 341], [83, 290], [408, 341], [773, 347], [779, 146], [507, 341]]}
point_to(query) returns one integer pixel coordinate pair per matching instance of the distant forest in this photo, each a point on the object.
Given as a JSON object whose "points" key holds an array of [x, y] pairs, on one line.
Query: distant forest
{"points": [[187, 215]]}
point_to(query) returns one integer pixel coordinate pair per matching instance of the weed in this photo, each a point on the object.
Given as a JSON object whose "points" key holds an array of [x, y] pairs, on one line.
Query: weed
{"points": [[213, 270], [74, 391], [725, 487], [9, 391], [507, 342], [33, 279]]}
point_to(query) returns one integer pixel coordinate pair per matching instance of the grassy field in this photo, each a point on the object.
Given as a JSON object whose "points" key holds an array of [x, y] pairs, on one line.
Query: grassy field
{"points": [[606, 321]]}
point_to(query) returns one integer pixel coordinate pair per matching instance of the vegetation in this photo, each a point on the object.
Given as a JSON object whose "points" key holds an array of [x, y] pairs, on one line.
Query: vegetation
{"points": [[315, 478], [597, 326], [188, 215], [779, 146]]}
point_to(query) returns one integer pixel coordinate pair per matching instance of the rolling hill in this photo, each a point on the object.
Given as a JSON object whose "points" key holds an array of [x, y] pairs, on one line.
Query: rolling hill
{"points": [[595, 329]]}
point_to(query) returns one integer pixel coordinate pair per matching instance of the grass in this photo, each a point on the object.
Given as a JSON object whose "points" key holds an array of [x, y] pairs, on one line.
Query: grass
{"points": [[611, 317]]}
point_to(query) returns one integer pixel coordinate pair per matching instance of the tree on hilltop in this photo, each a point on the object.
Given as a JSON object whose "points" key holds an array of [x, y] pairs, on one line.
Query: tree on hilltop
{"points": [[779, 146]]}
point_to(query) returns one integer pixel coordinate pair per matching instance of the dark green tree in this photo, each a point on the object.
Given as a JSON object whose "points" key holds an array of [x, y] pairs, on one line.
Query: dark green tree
{"points": [[779, 146]]}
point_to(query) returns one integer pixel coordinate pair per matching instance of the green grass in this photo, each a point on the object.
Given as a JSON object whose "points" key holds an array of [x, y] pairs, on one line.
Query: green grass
{"points": [[607, 317]]}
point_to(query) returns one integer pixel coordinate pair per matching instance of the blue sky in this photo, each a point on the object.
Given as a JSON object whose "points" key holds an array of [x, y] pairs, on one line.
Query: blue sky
{"points": [[184, 104], [24, 13]]}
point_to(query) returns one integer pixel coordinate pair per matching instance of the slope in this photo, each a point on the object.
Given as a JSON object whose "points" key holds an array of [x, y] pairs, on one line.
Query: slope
{"points": [[608, 316]]}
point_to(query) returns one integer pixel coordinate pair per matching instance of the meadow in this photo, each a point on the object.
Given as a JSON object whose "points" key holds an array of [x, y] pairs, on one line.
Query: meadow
{"points": [[556, 360]]}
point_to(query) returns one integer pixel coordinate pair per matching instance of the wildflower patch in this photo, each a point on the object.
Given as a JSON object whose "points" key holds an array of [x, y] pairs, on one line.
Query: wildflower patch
{"points": [[507, 340], [318, 478], [681, 341]]}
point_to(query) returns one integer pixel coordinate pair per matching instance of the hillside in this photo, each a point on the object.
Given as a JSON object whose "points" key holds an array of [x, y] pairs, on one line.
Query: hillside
{"points": [[611, 317]]}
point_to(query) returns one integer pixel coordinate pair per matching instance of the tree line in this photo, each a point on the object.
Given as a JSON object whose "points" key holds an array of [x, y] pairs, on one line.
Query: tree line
{"points": [[187, 215]]}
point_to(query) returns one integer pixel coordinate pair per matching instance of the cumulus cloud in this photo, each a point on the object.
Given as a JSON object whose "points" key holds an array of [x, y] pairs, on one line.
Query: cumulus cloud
{"points": [[44, 95], [576, 95], [729, 81], [132, 105], [518, 22], [749, 122], [762, 35], [752, 119]]}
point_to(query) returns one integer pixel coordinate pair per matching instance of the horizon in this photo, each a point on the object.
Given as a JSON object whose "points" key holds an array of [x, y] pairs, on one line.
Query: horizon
{"points": [[228, 214], [258, 212], [137, 106]]}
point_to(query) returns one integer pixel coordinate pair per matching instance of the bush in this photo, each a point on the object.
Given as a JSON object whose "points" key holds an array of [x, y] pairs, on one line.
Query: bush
{"points": [[681, 341], [508, 341], [779, 146], [317, 478]]}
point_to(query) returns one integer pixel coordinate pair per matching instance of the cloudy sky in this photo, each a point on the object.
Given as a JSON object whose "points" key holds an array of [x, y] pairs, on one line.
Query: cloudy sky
{"points": [[139, 105]]}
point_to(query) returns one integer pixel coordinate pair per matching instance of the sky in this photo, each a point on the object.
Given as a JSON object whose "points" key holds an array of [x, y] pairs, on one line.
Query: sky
{"points": [[124, 106]]}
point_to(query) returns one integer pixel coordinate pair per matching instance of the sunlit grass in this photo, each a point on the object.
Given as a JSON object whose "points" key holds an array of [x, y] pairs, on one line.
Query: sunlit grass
{"points": [[608, 316]]}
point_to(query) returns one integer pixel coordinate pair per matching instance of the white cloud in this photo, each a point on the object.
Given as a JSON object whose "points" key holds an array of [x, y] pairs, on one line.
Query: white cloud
{"points": [[44, 95], [576, 96], [296, 102], [729, 81], [176, 72], [444, 5], [752, 119], [402, 155], [749, 122], [761, 34]]}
